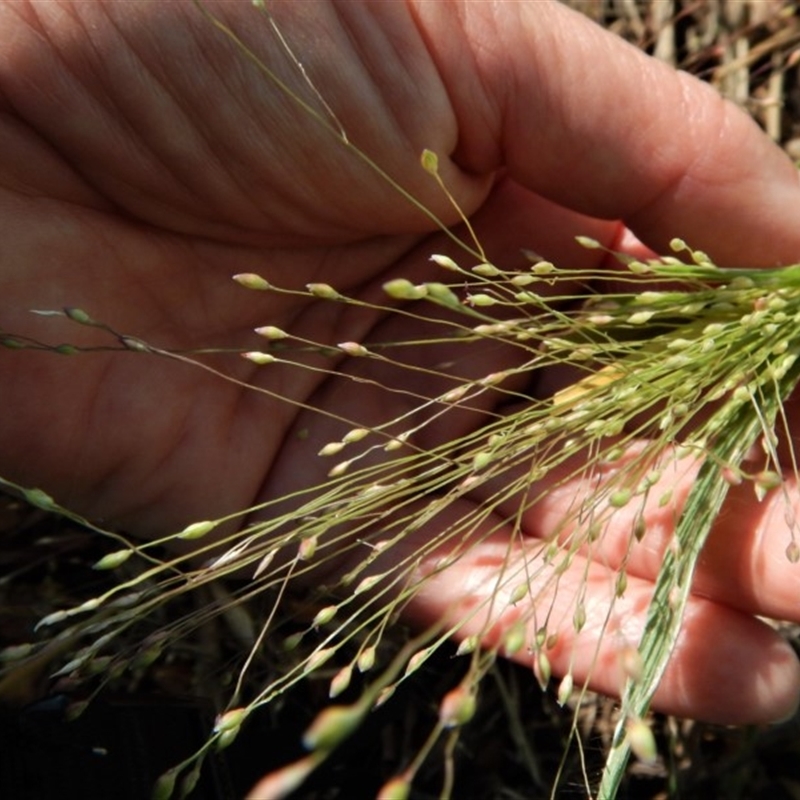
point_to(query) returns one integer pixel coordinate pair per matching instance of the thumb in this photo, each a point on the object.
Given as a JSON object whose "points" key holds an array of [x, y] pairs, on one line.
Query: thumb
{"points": [[589, 121]]}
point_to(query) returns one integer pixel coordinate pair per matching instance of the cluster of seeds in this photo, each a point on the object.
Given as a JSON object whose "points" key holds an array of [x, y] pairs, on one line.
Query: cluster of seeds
{"points": [[699, 370]]}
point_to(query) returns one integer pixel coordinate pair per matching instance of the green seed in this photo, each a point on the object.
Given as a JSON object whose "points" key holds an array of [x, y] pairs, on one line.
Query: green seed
{"points": [[545, 671], [481, 300], [271, 332], [331, 726], [355, 435], [331, 449], [402, 289], [642, 741], [620, 498], [40, 499], [579, 617], [324, 616], [443, 294], [230, 720], [588, 242], [398, 788], [79, 315], [481, 460], [340, 681], [165, 785], [514, 640], [486, 270], [468, 645], [429, 161], [259, 358], [366, 660], [324, 291], [564, 690], [457, 707], [519, 592], [197, 529], [113, 560], [445, 262], [252, 281], [353, 349]]}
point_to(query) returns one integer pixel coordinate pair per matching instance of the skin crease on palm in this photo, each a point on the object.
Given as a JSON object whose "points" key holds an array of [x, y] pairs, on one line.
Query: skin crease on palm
{"points": [[145, 161]]}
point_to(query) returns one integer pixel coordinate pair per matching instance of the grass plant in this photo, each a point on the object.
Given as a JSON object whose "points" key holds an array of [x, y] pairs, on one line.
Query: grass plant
{"points": [[685, 371]]}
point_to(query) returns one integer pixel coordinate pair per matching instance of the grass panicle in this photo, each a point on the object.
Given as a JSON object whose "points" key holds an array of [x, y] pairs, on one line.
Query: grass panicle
{"points": [[684, 372]]}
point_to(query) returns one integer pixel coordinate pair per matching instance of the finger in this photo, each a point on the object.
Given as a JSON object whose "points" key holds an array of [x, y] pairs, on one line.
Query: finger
{"points": [[744, 563], [591, 122], [727, 667]]}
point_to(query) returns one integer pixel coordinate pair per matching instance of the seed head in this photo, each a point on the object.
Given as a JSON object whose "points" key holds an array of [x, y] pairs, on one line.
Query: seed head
{"points": [[324, 616], [331, 449], [282, 782], [252, 281], [620, 498], [397, 788], [271, 332], [355, 435], [793, 552], [481, 299], [113, 560], [319, 657], [519, 592], [514, 640], [588, 242], [457, 707], [307, 549], [630, 660], [468, 645], [765, 482], [340, 681], [79, 315], [564, 690], [324, 291], [481, 460], [402, 289], [197, 530], [353, 349], [486, 270], [642, 741], [366, 660], [430, 162], [543, 669], [446, 263], [579, 617], [331, 726], [230, 720], [443, 294], [339, 469], [259, 358]]}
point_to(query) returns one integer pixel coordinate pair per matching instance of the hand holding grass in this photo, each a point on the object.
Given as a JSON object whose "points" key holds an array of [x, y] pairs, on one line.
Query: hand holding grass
{"points": [[145, 162]]}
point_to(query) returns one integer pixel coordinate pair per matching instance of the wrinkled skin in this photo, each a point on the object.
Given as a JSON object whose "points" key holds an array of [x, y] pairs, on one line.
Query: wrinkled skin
{"points": [[144, 162]]}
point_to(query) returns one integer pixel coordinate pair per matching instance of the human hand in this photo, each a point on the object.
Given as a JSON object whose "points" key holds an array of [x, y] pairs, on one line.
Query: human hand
{"points": [[145, 162]]}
